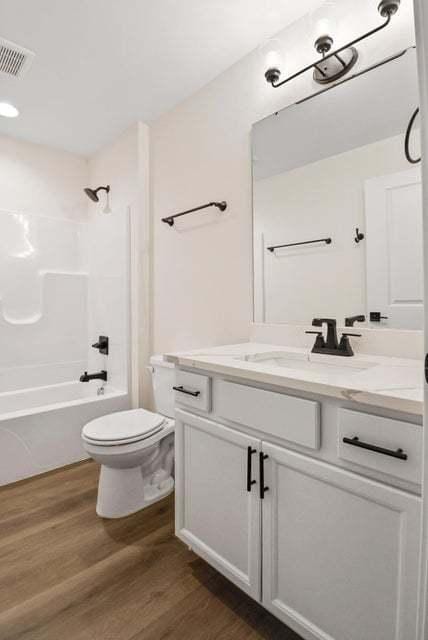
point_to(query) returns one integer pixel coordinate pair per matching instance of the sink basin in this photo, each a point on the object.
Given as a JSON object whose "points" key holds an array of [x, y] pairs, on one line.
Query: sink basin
{"points": [[315, 363]]}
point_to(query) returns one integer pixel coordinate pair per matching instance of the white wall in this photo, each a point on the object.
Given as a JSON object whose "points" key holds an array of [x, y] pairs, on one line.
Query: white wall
{"points": [[202, 270], [43, 288], [325, 198]]}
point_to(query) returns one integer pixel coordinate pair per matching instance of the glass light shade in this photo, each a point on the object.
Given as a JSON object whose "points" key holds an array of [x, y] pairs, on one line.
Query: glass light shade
{"points": [[7, 110], [271, 53], [323, 22]]}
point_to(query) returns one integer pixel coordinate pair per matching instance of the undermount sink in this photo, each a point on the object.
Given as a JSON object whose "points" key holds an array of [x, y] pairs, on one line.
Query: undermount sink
{"points": [[323, 364]]}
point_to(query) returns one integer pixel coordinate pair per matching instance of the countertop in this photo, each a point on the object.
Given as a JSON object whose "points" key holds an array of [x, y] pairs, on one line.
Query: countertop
{"points": [[389, 383]]}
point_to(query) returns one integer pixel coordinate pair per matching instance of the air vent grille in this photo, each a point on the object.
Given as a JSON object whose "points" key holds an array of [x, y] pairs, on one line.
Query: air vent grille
{"points": [[14, 60]]}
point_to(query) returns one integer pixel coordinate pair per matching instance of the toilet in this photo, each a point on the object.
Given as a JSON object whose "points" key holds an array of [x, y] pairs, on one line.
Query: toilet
{"points": [[135, 449]]}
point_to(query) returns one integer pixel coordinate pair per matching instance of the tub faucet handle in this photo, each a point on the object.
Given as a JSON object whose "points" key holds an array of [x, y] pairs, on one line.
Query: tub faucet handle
{"points": [[102, 345]]}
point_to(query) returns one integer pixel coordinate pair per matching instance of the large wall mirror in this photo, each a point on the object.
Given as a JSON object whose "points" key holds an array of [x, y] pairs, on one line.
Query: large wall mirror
{"points": [[323, 169]]}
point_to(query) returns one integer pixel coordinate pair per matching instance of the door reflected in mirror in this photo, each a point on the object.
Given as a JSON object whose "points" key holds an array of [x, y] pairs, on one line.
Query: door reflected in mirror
{"points": [[338, 208]]}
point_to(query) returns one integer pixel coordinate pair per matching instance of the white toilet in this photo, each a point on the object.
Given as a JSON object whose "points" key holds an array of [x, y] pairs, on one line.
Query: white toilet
{"points": [[135, 450]]}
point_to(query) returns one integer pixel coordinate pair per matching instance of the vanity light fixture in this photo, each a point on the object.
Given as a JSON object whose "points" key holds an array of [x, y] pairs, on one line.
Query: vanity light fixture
{"points": [[333, 64]]}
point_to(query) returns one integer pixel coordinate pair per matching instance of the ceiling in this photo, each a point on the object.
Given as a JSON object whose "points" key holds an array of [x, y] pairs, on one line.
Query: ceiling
{"points": [[101, 65]]}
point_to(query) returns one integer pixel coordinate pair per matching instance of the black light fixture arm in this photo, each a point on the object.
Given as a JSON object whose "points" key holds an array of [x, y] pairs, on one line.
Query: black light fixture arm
{"points": [[387, 8], [170, 219]]}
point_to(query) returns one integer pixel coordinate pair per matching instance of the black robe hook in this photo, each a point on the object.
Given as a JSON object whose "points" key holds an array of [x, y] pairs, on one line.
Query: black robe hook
{"points": [[358, 235]]}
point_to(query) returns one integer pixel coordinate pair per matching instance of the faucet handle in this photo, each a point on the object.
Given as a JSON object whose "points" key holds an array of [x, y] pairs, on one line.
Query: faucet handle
{"points": [[352, 335], [319, 340]]}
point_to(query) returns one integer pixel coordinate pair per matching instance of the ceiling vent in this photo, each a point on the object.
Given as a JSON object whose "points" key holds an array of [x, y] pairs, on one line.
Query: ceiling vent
{"points": [[14, 60]]}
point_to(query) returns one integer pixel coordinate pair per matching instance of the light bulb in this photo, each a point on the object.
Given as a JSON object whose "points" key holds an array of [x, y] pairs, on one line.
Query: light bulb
{"points": [[323, 27], [8, 110], [271, 53], [272, 59], [323, 23]]}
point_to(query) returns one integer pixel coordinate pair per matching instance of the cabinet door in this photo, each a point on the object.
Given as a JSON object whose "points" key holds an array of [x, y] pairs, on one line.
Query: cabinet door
{"points": [[215, 513], [340, 552]]}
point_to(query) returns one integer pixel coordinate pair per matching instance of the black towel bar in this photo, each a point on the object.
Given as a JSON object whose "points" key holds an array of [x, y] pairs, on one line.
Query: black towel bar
{"points": [[170, 219], [297, 244]]}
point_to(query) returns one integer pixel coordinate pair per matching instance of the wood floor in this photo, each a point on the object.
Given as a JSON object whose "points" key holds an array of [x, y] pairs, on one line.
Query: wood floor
{"points": [[65, 574]]}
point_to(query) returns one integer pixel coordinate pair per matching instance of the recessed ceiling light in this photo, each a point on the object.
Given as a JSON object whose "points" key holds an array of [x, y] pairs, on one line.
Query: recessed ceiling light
{"points": [[8, 110]]}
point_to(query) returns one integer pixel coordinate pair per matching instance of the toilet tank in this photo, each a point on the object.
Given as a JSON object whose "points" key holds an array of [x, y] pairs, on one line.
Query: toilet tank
{"points": [[163, 379]]}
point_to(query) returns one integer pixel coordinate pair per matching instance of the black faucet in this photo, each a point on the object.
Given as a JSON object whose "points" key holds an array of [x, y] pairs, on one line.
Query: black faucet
{"points": [[331, 341], [331, 345], [349, 322], [101, 375]]}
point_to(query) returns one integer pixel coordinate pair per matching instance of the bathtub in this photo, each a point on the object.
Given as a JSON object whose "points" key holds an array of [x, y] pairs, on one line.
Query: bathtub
{"points": [[40, 427]]}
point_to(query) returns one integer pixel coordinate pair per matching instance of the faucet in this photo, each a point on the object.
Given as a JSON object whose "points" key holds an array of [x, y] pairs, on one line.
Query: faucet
{"points": [[331, 341], [331, 345], [349, 322], [101, 375]]}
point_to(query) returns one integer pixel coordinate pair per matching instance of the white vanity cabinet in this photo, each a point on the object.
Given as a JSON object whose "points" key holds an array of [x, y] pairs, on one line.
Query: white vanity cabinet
{"points": [[339, 551], [215, 514], [329, 551]]}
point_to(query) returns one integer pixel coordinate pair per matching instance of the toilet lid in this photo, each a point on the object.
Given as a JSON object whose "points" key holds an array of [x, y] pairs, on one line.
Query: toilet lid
{"points": [[123, 426]]}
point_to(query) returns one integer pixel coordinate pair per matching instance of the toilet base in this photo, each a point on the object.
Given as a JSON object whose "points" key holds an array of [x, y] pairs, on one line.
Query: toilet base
{"points": [[122, 492]]}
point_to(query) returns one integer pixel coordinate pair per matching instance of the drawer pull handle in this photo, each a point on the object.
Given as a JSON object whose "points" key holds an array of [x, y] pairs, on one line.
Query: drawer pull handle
{"points": [[194, 394], [263, 489], [356, 442], [250, 481]]}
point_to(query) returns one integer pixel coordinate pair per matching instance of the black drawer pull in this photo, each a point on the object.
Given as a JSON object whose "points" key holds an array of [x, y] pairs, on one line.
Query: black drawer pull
{"points": [[194, 394], [250, 481], [356, 442], [263, 489]]}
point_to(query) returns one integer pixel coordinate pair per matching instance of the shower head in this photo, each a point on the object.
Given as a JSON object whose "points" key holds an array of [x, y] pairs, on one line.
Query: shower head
{"points": [[93, 193]]}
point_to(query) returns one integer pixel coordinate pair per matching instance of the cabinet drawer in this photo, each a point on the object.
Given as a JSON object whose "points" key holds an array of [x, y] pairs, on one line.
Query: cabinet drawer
{"points": [[193, 390], [388, 446], [276, 414]]}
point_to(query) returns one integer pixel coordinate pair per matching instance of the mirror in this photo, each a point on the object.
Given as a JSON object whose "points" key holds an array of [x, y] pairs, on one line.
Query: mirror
{"points": [[332, 184]]}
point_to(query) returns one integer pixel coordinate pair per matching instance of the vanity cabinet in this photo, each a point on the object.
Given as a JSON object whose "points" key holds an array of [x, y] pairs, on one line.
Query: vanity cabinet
{"points": [[339, 551], [215, 514], [329, 551]]}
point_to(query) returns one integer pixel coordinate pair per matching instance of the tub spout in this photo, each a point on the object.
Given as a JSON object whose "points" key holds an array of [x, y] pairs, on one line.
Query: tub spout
{"points": [[101, 375]]}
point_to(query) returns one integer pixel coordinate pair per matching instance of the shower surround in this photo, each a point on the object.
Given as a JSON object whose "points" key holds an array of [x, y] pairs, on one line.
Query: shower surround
{"points": [[64, 280], [43, 300]]}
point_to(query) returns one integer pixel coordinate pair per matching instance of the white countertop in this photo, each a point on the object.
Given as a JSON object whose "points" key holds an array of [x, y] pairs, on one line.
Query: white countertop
{"points": [[390, 383]]}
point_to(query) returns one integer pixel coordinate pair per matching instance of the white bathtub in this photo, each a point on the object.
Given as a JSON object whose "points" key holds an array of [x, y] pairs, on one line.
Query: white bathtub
{"points": [[40, 428]]}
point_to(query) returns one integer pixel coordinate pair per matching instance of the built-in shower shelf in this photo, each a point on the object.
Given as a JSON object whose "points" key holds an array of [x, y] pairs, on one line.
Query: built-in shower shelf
{"points": [[52, 296]]}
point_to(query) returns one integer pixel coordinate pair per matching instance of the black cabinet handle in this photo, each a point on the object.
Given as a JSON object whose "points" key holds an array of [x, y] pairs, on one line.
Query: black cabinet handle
{"points": [[263, 489], [250, 481], [356, 442], [194, 394]]}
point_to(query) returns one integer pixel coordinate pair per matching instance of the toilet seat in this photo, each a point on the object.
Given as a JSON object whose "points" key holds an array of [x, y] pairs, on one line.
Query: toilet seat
{"points": [[123, 427]]}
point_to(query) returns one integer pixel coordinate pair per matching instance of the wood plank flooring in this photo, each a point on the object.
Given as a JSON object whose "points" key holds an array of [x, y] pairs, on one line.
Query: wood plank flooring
{"points": [[66, 574]]}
